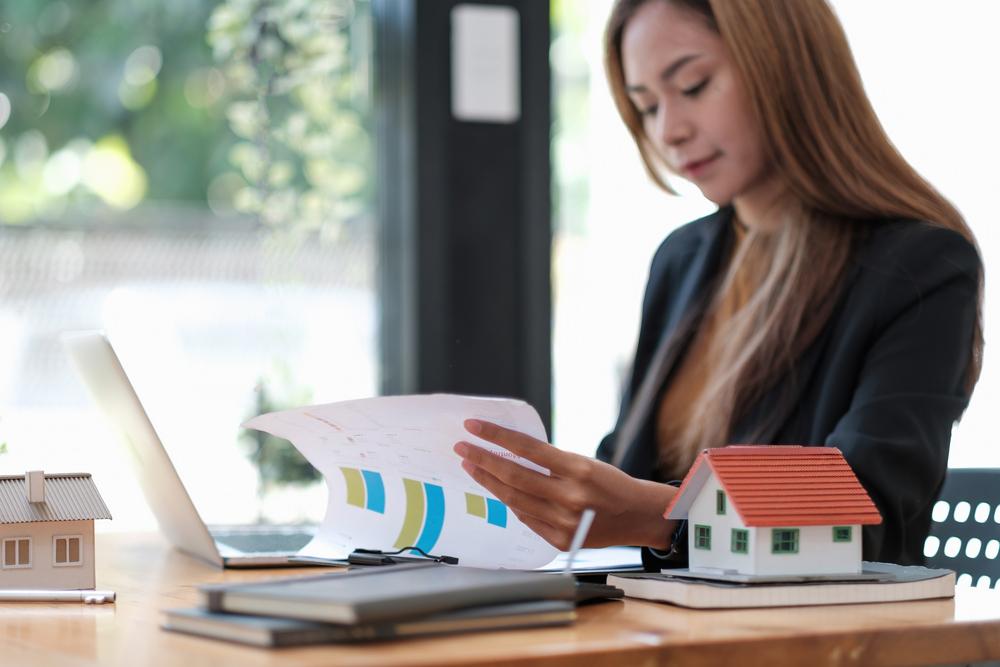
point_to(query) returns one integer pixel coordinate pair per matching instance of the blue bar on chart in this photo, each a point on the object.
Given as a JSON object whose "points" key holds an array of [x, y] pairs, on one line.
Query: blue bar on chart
{"points": [[365, 489]]}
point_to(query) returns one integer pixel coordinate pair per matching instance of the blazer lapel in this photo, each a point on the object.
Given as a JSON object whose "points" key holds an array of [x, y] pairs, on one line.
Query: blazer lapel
{"points": [[716, 238], [765, 421], [634, 446]]}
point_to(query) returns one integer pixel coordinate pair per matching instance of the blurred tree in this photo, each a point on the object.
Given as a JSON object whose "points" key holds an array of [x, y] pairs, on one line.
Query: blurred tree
{"points": [[277, 461], [108, 103], [298, 90]]}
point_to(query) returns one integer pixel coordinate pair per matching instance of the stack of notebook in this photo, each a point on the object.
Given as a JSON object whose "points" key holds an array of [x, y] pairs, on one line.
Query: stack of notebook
{"points": [[378, 603]]}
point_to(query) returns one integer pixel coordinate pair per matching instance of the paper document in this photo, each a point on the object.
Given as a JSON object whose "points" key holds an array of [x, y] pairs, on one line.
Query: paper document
{"points": [[394, 480]]}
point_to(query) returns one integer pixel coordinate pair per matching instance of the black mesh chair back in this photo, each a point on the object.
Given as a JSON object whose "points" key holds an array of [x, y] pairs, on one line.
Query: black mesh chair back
{"points": [[965, 530]]}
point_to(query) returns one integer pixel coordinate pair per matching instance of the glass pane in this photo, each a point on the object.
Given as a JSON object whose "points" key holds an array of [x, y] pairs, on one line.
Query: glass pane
{"points": [[61, 550], [198, 184], [10, 552], [74, 550], [607, 213], [23, 552]]}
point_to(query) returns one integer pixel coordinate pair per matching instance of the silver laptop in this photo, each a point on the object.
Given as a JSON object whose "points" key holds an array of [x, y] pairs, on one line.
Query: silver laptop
{"points": [[245, 546]]}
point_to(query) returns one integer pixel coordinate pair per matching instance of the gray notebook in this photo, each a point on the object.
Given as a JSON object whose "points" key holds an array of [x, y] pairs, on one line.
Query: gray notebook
{"points": [[386, 593], [271, 631]]}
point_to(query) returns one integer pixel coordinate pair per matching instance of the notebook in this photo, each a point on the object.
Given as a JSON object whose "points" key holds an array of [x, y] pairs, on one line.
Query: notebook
{"points": [[272, 632], [380, 594], [893, 583]]}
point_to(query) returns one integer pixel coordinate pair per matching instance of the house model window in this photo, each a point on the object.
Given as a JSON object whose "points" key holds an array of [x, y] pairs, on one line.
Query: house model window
{"points": [[841, 533], [66, 550], [702, 537], [17, 552], [720, 502], [785, 541], [740, 541]]}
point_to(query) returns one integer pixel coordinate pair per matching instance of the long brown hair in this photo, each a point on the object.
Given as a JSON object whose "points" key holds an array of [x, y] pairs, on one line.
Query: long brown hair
{"points": [[841, 170]]}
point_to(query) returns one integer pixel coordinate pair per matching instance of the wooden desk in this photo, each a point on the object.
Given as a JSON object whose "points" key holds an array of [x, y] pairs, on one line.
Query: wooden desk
{"points": [[150, 577]]}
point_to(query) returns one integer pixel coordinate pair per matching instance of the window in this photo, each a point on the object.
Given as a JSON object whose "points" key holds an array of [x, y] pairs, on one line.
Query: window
{"points": [[17, 552], [740, 541], [841, 533], [785, 541], [66, 550], [702, 537], [188, 169], [720, 502]]}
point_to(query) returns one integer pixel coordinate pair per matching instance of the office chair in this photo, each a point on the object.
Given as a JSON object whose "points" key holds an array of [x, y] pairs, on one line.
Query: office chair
{"points": [[965, 527]]}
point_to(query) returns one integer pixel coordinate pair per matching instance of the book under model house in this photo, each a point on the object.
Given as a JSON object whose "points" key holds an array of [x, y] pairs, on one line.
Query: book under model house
{"points": [[778, 526]]}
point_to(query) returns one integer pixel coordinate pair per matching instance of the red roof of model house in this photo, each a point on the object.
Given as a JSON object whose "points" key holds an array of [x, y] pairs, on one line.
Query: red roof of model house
{"points": [[780, 485]]}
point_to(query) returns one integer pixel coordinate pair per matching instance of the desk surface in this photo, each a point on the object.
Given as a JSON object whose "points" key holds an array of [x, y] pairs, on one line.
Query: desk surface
{"points": [[150, 577]]}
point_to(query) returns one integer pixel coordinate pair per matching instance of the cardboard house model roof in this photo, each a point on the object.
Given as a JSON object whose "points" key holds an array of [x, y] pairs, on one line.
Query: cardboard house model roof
{"points": [[773, 486], [68, 497]]}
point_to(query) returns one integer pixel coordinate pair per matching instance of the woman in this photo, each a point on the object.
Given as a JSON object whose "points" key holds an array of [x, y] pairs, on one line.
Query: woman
{"points": [[833, 299]]}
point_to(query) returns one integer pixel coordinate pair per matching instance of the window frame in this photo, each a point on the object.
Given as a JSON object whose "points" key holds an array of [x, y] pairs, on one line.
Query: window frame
{"points": [[702, 532], [844, 540], [720, 502], [736, 536], [793, 543], [3, 553], [55, 551]]}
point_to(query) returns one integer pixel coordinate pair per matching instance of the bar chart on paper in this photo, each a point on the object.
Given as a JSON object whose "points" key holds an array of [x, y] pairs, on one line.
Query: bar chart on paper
{"points": [[424, 517], [395, 482], [364, 489], [494, 511]]}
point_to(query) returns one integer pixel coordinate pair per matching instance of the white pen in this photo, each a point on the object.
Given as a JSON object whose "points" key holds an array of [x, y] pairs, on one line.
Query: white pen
{"points": [[586, 518], [28, 595]]}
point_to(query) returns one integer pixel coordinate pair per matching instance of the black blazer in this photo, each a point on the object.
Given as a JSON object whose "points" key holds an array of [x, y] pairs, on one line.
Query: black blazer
{"points": [[884, 381]]}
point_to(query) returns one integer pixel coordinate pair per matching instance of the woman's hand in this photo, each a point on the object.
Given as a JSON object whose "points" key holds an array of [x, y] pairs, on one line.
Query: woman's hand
{"points": [[628, 510]]}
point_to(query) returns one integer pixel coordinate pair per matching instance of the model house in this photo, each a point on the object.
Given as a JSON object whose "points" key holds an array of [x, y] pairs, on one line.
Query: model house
{"points": [[47, 530], [773, 510]]}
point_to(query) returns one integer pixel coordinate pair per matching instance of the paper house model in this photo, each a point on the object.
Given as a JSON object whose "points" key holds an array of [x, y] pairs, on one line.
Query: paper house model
{"points": [[773, 510], [47, 531]]}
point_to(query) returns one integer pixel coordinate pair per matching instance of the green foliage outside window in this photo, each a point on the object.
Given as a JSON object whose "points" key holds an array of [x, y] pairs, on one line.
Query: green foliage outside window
{"points": [[297, 78], [255, 106], [105, 104], [276, 459]]}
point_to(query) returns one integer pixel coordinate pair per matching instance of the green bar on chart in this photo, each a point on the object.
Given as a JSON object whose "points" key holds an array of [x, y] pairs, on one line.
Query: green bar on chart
{"points": [[414, 517], [475, 505], [355, 487]]}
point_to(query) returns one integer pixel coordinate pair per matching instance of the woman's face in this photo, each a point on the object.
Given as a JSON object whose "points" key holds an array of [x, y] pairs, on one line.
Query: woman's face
{"points": [[694, 110]]}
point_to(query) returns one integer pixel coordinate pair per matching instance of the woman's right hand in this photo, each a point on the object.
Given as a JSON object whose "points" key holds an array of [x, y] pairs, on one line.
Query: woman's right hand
{"points": [[628, 511]]}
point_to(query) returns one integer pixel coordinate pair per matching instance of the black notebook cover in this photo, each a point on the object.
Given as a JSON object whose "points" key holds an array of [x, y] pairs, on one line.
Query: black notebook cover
{"points": [[271, 631], [386, 593]]}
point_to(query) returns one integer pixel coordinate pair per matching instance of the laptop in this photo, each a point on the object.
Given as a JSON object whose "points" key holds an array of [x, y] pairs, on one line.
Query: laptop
{"points": [[244, 546]]}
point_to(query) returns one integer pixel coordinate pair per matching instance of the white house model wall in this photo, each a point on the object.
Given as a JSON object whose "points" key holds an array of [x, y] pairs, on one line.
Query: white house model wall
{"points": [[44, 572], [773, 510], [817, 551]]}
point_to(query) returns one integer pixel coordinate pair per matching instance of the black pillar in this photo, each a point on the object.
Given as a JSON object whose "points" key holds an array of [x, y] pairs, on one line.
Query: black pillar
{"points": [[464, 213]]}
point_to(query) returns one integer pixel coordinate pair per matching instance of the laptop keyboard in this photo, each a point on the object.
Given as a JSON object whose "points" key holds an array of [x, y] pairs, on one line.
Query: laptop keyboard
{"points": [[264, 542]]}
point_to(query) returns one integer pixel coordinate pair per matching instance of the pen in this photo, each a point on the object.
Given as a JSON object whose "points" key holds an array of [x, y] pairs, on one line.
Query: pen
{"points": [[586, 518], [27, 595]]}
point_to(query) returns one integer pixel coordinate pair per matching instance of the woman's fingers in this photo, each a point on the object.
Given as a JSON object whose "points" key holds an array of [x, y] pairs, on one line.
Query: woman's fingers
{"points": [[519, 501], [533, 449], [511, 473]]}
